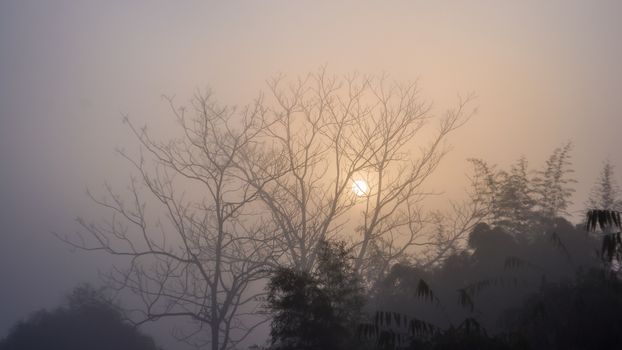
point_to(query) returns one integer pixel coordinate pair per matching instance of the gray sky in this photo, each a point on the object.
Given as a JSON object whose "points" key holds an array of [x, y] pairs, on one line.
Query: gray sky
{"points": [[545, 73]]}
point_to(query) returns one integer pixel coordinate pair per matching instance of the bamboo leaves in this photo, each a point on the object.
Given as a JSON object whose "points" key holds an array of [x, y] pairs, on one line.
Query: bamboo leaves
{"points": [[391, 329], [424, 291], [607, 221], [603, 219]]}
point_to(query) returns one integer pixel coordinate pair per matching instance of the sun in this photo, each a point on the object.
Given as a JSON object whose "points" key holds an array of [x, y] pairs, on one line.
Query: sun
{"points": [[360, 188]]}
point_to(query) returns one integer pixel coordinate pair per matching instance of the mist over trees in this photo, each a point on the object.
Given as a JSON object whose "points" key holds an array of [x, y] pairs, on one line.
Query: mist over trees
{"points": [[517, 238], [244, 191], [531, 281], [522, 201], [86, 320], [605, 194], [251, 217], [319, 310]]}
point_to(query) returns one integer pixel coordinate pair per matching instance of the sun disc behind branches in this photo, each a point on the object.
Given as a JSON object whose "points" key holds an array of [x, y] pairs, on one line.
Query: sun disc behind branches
{"points": [[360, 188]]}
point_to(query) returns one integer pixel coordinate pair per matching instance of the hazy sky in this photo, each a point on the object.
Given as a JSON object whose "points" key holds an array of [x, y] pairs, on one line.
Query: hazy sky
{"points": [[545, 72]]}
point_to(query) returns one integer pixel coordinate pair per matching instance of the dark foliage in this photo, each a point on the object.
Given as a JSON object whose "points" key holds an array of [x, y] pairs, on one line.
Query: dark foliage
{"points": [[584, 314], [302, 312], [389, 330], [610, 224], [87, 321], [474, 288], [521, 282], [603, 219], [318, 310], [467, 336]]}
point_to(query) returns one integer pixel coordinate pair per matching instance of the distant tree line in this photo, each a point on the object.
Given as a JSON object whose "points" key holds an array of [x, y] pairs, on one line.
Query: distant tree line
{"points": [[86, 320]]}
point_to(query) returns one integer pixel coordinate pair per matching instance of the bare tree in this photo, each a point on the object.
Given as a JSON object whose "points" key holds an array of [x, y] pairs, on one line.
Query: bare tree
{"points": [[195, 246], [240, 192], [393, 220], [330, 134]]}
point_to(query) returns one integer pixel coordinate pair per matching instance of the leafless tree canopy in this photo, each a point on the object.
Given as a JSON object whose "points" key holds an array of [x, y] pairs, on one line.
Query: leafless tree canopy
{"points": [[201, 247], [328, 132], [242, 191]]}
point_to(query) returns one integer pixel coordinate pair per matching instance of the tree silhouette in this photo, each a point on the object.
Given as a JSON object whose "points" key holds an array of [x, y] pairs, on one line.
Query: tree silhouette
{"points": [[519, 202], [492, 280], [198, 255], [243, 190], [605, 193], [319, 310], [553, 183], [329, 132], [580, 314], [86, 321]]}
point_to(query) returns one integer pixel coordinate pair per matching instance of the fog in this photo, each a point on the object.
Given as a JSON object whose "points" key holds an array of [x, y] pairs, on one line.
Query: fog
{"points": [[544, 74]]}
